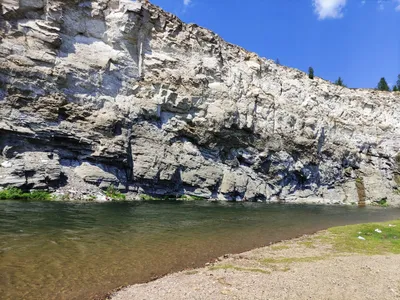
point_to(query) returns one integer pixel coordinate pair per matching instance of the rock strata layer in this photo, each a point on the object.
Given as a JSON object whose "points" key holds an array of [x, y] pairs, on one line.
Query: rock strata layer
{"points": [[117, 92]]}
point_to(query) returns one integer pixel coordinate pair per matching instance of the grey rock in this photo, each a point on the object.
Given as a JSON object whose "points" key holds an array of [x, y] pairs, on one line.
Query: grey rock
{"points": [[94, 174], [33, 170]]}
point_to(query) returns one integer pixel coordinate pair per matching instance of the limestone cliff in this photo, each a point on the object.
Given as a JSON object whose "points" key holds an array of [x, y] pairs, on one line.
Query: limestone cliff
{"points": [[119, 92]]}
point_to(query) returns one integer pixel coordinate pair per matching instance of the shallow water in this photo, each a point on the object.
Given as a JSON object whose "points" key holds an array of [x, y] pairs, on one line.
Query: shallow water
{"points": [[81, 251]]}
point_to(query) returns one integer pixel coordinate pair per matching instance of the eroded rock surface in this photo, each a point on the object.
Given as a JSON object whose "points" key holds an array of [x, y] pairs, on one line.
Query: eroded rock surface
{"points": [[119, 92]]}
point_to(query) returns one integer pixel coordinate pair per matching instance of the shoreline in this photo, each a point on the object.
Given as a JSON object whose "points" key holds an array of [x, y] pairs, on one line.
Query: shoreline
{"points": [[114, 195], [135, 200], [336, 254], [110, 294]]}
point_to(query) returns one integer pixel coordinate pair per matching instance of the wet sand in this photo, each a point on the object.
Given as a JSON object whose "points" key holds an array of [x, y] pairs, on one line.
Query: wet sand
{"points": [[303, 268]]}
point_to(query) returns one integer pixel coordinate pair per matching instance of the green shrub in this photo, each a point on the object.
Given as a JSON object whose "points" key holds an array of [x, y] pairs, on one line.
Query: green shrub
{"points": [[11, 194], [39, 196], [114, 194], [382, 202], [18, 194]]}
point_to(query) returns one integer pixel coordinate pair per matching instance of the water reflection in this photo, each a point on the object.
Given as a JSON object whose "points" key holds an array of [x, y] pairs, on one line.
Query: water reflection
{"points": [[78, 251]]}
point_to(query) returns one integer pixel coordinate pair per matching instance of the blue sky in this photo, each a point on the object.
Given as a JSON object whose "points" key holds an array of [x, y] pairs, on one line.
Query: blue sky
{"points": [[358, 40]]}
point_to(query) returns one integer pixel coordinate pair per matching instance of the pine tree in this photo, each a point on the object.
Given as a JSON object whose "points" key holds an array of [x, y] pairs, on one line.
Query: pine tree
{"points": [[278, 62], [339, 82], [382, 85], [395, 88], [310, 73], [398, 82]]}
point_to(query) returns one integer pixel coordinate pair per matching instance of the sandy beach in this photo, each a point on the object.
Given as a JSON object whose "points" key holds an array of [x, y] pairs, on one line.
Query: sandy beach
{"points": [[311, 267]]}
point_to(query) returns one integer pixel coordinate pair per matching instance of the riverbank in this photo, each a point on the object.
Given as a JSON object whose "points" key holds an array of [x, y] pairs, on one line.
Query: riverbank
{"points": [[348, 262], [114, 195]]}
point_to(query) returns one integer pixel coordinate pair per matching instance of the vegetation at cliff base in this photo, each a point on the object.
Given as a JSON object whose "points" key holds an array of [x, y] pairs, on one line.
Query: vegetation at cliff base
{"points": [[114, 194], [381, 202], [18, 194]]}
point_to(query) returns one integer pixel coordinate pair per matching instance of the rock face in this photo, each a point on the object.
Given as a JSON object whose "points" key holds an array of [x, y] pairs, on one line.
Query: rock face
{"points": [[119, 92]]}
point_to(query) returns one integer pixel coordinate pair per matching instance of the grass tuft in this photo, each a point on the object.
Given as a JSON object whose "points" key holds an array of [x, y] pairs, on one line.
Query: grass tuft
{"points": [[307, 244], [279, 247], [288, 260]]}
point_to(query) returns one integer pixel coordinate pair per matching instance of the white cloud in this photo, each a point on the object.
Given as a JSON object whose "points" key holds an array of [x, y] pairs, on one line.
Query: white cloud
{"points": [[380, 5], [186, 2], [333, 9], [326, 9], [398, 5]]}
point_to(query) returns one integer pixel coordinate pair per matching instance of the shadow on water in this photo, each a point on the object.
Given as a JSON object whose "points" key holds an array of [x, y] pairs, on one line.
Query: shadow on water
{"points": [[80, 251]]}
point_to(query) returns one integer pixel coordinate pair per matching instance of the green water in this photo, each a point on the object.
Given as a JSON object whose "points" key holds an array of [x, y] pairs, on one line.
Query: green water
{"points": [[82, 251]]}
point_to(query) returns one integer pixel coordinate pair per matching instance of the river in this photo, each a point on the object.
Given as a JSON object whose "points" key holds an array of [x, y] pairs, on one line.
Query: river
{"points": [[53, 250]]}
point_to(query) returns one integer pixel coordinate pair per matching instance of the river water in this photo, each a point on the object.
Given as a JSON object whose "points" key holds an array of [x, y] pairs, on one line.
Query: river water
{"points": [[51, 250]]}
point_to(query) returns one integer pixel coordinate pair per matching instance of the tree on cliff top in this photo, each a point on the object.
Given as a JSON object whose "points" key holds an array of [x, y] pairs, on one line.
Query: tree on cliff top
{"points": [[382, 85], [340, 82], [398, 82], [395, 88], [310, 73]]}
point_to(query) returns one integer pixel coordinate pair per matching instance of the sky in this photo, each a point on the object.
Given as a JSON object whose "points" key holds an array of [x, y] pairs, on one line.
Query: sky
{"points": [[358, 40]]}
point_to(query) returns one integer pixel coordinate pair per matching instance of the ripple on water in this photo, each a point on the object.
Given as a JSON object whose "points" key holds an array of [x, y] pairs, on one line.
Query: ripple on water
{"points": [[78, 251]]}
